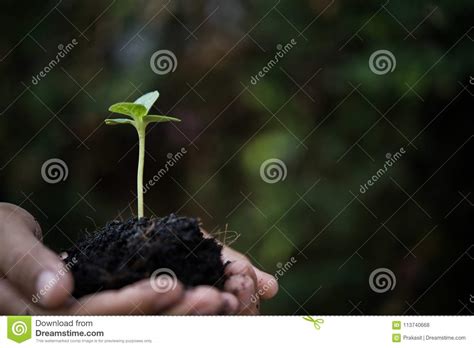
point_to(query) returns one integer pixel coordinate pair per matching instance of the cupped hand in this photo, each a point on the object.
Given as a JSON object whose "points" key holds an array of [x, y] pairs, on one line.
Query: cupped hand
{"points": [[33, 280], [248, 283]]}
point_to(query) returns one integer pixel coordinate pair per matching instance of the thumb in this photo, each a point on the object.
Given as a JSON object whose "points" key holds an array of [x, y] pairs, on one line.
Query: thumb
{"points": [[36, 271]]}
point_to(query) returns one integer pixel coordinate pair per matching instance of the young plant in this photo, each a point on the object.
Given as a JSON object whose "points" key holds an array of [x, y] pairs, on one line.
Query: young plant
{"points": [[139, 118]]}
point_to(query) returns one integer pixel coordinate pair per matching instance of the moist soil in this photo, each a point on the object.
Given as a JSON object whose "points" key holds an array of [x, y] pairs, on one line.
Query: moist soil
{"points": [[124, 252]]}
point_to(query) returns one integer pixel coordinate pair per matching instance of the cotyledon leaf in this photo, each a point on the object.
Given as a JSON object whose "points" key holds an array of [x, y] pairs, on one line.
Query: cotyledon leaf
{"points": [[159, 118], [129, 109], [116, 121], [147, 100]]}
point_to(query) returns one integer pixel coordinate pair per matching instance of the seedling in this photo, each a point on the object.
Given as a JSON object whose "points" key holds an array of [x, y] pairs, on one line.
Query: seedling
{"points": [[139, 118], [100, 260]]}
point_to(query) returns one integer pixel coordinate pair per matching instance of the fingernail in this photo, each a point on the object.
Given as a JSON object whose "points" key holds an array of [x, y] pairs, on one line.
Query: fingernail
{"points": [[46, 281]]}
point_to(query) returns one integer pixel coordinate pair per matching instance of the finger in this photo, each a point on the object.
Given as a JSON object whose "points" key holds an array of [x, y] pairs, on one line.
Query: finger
{"points": [[267, 285], [243, 287], [139, 298], [35, 271], [205, 300], [241, 267], [11, 302], [231, 303]]}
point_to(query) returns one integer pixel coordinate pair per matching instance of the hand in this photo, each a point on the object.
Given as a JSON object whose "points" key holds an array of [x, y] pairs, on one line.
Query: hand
{"points": [[29, 270], [247, 282]]}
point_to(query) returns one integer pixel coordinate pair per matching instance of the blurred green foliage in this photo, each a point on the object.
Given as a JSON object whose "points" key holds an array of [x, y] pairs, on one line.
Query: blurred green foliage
{"points": [[320, 110]]}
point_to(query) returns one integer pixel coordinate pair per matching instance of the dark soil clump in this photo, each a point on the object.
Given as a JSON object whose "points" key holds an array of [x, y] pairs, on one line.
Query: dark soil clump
{"points": [[122, 253]]}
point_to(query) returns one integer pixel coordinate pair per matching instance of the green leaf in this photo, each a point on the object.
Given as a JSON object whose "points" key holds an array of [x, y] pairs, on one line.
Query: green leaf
{"points": [[147, 100], [129, 109], [159, 118], [116, 121]]}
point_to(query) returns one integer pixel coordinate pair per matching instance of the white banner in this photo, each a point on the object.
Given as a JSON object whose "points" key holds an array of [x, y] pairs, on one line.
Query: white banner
{"points": [[238, 332]]}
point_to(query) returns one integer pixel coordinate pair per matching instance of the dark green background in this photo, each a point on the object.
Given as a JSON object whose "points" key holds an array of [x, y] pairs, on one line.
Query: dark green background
{"points": [[333, 127]]}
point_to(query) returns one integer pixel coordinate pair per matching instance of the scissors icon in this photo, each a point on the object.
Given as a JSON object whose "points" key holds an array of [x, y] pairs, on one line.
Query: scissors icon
{"points": [[316, 322], [471, 298], [471, 80]]}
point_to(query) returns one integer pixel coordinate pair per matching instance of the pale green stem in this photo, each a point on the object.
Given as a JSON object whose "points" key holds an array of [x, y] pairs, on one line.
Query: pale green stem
{"points": [[141, 164]]}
